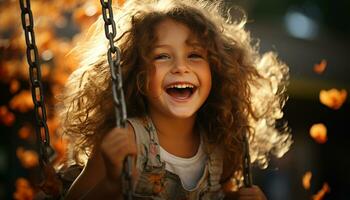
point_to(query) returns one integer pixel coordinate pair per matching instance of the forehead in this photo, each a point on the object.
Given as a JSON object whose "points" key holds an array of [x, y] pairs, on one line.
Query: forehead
{"points": [[171, 31]]}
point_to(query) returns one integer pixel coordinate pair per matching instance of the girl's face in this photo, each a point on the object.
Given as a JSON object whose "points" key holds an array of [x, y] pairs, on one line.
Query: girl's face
{"points": [[180, 80]]}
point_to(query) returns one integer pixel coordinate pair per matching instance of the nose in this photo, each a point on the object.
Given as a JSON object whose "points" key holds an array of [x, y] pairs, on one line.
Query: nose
{"points": [[180, 67]]}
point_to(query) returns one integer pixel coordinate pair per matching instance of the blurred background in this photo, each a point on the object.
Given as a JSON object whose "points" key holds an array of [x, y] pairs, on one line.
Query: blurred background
{"points": [[311, 36]]}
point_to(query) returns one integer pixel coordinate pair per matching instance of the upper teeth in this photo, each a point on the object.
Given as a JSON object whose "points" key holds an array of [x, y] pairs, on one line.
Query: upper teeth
{"points": [[180, 86]]}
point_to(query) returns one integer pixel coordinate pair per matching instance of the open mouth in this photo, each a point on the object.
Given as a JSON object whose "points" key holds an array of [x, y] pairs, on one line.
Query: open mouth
{"points": [[181, 91]]}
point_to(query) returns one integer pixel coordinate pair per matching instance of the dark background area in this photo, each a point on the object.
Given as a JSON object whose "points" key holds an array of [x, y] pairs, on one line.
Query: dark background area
{"points": [[318, 29], [268, 21]]}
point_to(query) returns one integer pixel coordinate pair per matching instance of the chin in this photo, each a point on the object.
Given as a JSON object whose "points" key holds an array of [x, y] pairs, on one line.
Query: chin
{"points": [[182, 113]]}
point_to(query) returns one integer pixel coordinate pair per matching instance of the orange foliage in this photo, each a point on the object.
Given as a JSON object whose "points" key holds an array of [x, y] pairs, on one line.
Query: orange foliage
{"points": [[3, 110], [10, 69], [333, 98], [6, 117], [56, 66], [14, 86], [320, 194], [9, 119], [306, 180], [44, 39], [60, 146], [52, 124], [320, 67], [22, 102], [319, 133], [28, 158], [45, 71], [87, 14], [23, 190], [24, 132]]}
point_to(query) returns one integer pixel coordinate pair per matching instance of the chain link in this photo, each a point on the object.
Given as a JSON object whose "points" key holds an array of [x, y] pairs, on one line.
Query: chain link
{"points": [[42, 131], [248, 182], [113, 55]]}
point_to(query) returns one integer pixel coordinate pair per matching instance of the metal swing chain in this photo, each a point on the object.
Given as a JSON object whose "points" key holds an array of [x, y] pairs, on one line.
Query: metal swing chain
{"points": [[113, 55], [247, 174], [42, 131]]}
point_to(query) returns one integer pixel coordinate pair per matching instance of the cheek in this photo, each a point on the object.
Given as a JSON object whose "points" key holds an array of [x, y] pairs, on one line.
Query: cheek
{"points": [[206, 78]]}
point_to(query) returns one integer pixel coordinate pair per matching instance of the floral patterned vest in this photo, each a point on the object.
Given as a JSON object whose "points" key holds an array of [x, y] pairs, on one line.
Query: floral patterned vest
{"points": [[155, 182]]}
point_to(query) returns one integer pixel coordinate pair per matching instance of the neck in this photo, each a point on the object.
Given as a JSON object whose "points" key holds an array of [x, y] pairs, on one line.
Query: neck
{"points": [[175, 132], [173, 127]]}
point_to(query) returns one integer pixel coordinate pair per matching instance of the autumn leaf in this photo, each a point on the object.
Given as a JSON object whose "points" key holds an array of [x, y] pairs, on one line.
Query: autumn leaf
{"points": [[306, 180], [52, 124], [22, 102], [333, 98], [28, 158], [44, 38], [10, 69], [319, 68], [45, 71], [25, 131], [320, 194], [319, 133], [3, 110], [14, 86], [86, 15], [24, 191], [6, 117]]}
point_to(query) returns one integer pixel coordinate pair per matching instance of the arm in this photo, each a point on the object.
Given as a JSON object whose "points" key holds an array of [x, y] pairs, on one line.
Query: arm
{"points": [[100, 178], [92, 182]]}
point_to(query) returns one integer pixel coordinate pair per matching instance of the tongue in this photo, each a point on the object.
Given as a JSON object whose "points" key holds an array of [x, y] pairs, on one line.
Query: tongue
{"points": [[179, 93]]}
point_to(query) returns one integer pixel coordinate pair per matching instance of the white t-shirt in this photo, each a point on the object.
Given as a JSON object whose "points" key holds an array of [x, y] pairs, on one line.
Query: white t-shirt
{"points": [[190, 170]]}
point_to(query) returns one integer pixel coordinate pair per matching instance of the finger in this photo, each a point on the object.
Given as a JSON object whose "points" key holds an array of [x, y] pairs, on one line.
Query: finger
{"points": [[116, 137], [117, 142], [118, 153], [115, 134], [114, 144]]}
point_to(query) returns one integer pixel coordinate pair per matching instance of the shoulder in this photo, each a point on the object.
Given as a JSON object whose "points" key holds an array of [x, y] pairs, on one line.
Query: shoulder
{"points": [[138, 127], [142, 140], [137, 124]]}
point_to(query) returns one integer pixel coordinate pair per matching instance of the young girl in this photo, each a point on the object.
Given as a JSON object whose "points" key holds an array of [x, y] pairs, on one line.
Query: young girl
{"points": [[194, 86]]}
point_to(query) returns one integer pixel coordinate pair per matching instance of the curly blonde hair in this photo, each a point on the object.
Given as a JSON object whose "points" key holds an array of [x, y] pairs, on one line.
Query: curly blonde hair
{"points": [[247, 93]]}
